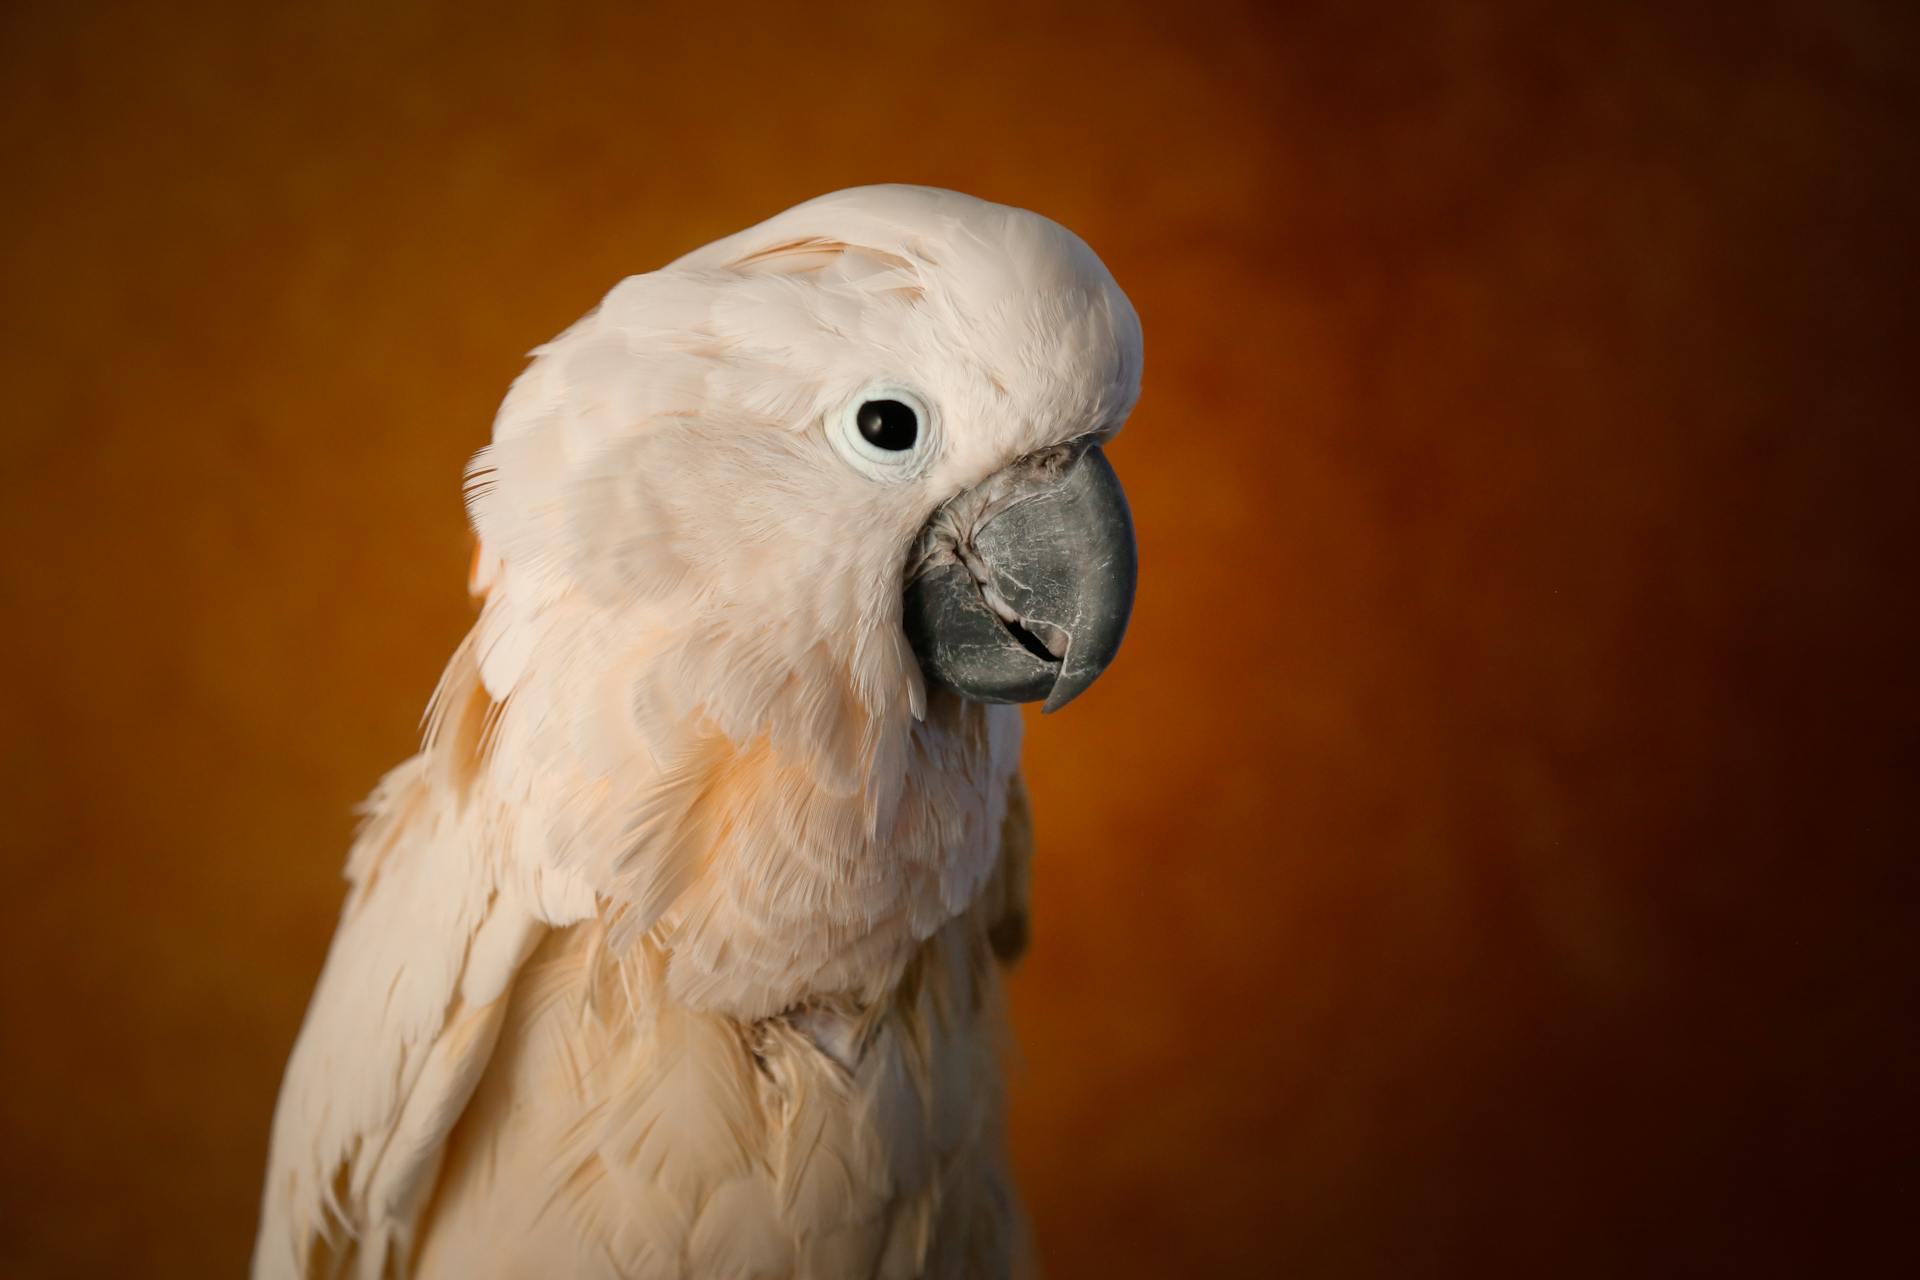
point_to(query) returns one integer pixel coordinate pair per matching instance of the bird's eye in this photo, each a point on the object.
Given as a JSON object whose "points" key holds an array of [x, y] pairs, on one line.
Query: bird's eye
{"points": [[888, 424], [886, 432]]}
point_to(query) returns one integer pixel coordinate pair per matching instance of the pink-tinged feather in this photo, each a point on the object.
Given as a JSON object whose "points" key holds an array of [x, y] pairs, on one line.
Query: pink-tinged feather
{"points": [[675, 951]]}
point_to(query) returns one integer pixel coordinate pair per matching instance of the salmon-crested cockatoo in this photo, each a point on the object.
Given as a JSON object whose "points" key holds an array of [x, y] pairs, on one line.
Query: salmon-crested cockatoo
{"points": [[676, 950]]}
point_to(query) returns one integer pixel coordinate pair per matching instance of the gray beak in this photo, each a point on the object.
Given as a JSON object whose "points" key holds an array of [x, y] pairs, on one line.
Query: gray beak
{"points": [[1021, 587]]}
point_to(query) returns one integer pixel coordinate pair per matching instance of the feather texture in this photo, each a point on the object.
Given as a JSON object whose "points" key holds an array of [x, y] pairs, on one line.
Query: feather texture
{"points": [[673, 952]]}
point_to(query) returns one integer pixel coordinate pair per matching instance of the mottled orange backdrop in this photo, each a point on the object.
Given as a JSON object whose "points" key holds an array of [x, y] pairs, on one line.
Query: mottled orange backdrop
{"points": [[1494, 851]]}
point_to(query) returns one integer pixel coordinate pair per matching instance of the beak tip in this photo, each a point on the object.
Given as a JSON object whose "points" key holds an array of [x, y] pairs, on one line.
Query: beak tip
{"points": [[1075, 679]]}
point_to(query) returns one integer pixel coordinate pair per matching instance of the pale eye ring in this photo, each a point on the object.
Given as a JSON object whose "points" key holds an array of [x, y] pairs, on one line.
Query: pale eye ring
{"points": [[886, 432]]}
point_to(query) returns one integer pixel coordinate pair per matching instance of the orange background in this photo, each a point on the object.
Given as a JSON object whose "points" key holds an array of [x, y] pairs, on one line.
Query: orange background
{"points": [[1493, 853]]}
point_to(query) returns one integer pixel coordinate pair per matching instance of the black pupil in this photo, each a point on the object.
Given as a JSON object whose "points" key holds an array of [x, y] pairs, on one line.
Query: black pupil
{"points": [[888, 424]]}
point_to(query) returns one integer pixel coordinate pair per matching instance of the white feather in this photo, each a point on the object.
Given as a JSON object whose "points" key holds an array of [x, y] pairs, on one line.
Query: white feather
{"points": [[667, 955]]}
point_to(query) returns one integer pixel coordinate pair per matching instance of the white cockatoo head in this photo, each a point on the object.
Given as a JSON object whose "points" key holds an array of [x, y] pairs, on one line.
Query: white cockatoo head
{"points": [[802, 506]]}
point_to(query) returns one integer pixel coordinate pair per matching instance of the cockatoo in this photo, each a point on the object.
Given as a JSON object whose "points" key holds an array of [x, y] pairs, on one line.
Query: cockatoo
{"points": [[675, 951]]}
